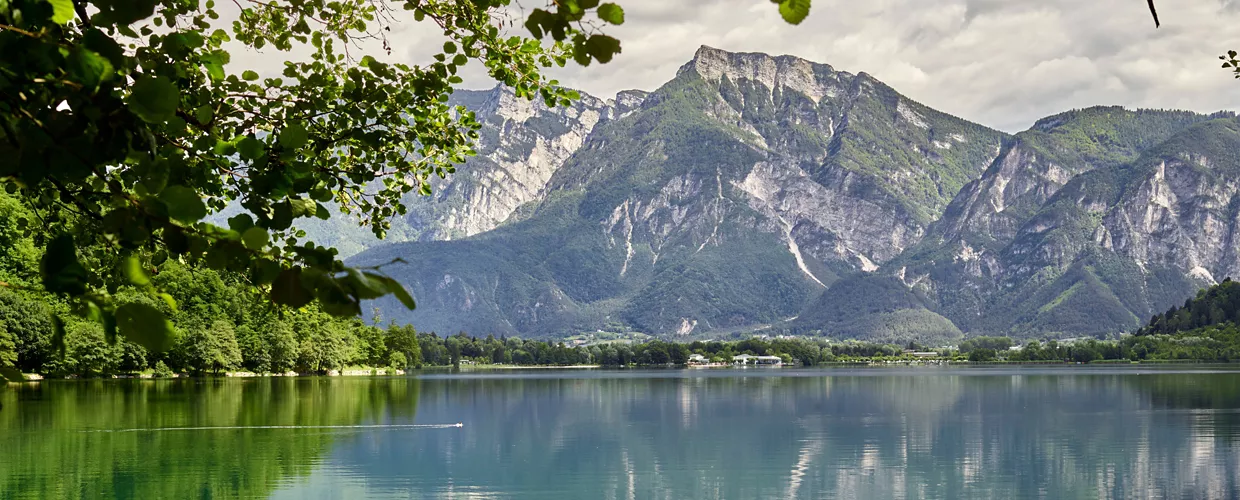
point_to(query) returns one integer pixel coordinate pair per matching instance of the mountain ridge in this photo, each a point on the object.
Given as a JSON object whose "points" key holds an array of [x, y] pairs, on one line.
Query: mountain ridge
{"points": [[745, 187]]}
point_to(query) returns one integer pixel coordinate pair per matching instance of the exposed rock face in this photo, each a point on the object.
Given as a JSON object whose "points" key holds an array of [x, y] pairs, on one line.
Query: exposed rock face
{"points": [[1048, 242], [747, 177], [522, 143], [825, 221], [732, 196], [1182, 216]]}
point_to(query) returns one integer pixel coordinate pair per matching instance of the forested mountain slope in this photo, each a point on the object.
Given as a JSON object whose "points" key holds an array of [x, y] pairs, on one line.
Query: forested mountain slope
{"points": [[732, 196], [736, 194]]}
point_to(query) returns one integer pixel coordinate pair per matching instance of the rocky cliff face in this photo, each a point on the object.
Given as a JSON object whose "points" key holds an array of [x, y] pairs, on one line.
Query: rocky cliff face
{"points": [[727, 198], [521, 144], [1087, 223], [734, 195]]}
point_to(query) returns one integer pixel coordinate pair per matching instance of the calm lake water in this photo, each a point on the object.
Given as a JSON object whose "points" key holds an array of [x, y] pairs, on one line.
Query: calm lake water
{"points": [[672, 434]]}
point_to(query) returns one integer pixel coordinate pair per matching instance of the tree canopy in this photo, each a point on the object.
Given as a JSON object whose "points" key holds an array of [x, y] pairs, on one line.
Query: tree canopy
{"points": [[123, 127]]}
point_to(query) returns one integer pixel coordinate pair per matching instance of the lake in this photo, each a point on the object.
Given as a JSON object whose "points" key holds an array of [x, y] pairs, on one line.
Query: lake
{"points": [[1032, 432]]}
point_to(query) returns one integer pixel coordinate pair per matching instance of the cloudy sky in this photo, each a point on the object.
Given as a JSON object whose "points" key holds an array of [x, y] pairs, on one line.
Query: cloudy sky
{"points": [[1003, 63]]}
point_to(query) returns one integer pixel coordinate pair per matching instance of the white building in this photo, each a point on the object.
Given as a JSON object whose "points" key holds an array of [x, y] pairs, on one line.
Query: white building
{"points": [[745, 359]]}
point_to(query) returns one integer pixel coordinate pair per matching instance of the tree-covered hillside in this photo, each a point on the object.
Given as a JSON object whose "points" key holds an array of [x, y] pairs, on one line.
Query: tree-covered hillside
{"points": [[1217, 305], [877, 308]]}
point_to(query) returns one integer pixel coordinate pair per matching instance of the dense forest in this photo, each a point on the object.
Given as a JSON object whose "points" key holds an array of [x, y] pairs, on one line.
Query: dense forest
{"points": [[222, 324]]}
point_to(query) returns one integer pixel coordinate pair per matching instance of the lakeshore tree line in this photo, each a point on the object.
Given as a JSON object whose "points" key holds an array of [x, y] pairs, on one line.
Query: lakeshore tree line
{"points": [[125, 127], [222, 324], [219, 328]]}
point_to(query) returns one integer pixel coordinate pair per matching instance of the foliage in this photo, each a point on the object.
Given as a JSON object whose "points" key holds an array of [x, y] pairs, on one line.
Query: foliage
{"points": [[161, 370], [1212, 306], [8, 345], [212, 349], [983, 354], [123, 128], [87, 353], [403, 341], [877, 309], [282, 344], [992, 343]]}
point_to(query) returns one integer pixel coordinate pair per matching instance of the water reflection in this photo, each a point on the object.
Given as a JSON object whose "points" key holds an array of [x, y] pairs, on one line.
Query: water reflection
{"points": [[952, 434], [1025, 433], [57, 444]]}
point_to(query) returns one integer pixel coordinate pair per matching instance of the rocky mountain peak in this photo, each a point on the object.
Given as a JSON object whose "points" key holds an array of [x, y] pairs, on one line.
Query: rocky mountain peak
{"points": [[792, 72], [628, 100]]}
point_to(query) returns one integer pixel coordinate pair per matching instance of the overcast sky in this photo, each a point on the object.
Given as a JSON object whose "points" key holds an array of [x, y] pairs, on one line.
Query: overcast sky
{"points": [[1002, 63]]}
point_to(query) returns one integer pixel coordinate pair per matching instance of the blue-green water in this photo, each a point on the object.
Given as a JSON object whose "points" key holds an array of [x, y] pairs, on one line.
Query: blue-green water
{"points": [[675, 434]]}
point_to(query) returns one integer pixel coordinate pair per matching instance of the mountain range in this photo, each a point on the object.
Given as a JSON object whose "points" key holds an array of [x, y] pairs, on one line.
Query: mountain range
{"points": [[754, 192]]}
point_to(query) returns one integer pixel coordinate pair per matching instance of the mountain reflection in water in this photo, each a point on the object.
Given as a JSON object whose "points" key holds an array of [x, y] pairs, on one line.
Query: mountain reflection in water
{"points": [[855, 433]]}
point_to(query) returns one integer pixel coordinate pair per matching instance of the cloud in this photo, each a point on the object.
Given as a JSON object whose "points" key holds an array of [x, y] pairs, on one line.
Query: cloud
{"points": [[1002, 63]]}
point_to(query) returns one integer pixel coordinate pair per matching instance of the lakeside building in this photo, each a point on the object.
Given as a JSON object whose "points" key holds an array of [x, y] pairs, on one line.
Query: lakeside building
{"points": [[746, 359]]}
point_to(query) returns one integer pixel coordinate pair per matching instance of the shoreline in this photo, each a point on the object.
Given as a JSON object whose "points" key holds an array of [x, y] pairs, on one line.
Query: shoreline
{"points": [[387, 372], [519, 367]]}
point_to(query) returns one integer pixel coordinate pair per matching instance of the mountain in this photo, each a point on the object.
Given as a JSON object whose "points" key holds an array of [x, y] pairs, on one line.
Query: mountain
{"points": [[753, 191], [728, 198], [1088, 223], [521, 143]]}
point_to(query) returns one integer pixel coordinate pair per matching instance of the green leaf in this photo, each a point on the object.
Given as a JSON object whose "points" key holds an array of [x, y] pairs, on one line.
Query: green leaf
{"points": [[602, 47], [794, 11], [204, 114], [154, 99], [611, 13], [335, 300], [294, 135], [302, 208], [363, 286], [251, 148], [88, 68], [62, 11], [183, 204], [214, 63], [60, 268], [109, 326], [144, 325], [104, 45], [265, 271], [288, 290], [125, 12], [171, 302], [395, 288], [134, 273], [254, 238], [58, 334], [240, 222], [281, 217], [155, 179], [537, 21], [11, 373], [249, 75]]}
